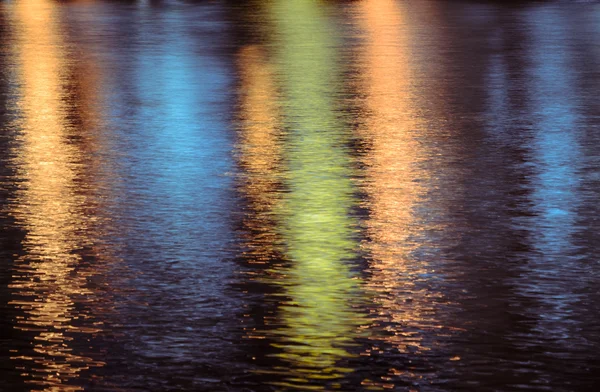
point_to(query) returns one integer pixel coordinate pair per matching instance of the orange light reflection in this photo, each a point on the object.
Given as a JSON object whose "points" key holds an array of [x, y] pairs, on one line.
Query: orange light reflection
{"points": [[259, 147], [259, 150], [395, 182], [48, 280]]}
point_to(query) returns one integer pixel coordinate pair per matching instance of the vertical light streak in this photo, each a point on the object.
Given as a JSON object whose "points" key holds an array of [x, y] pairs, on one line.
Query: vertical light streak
{"points": [[557, 161], [47, 281], [395, 182], [317, 317], [259, 150], [260, 146]]}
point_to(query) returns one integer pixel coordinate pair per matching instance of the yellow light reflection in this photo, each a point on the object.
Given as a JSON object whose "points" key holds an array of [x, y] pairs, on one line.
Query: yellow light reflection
{"points": [[395, 182], [317, 317], [48, 280]]}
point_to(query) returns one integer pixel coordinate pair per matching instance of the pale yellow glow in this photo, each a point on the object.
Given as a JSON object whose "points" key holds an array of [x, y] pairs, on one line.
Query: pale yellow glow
{"points": [[318, 311]]}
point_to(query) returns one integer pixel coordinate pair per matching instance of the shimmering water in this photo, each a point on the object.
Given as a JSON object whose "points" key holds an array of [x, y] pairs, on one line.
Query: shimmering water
{"points": [[299, 195]]}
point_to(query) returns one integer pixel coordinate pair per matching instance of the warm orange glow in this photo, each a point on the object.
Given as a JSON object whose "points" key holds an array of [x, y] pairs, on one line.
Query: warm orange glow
{"points": [[394, 179], [260, 144], [49, 205], [259, 150]]}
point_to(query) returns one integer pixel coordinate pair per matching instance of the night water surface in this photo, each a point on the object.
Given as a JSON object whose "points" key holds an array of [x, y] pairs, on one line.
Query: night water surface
{"points": [[299, 195]]}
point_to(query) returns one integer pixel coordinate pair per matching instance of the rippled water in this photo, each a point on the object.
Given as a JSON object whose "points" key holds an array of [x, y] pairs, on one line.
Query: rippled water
{"points": [[299, 195]]}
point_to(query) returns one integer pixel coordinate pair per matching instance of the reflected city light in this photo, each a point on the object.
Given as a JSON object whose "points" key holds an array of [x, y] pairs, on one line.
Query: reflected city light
{"points": [[395, 184], [260, 147], [317, 318], [47, 281], [260, 150], [557, 161], [299, 195]]}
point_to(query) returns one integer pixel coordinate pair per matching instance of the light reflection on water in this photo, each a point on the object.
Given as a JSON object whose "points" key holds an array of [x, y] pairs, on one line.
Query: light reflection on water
{"points": [[394, 182], [260, 150], [50, 205], [318, 318], [558, 167], [298, 195], [413, 192], [315, 317]]}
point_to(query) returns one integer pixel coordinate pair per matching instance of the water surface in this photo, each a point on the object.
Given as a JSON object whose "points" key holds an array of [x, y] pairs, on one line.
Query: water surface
{"points": [[299, 195]]}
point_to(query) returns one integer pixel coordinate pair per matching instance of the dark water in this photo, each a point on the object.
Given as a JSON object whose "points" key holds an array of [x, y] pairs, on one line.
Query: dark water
{"points": [[299, 195]]}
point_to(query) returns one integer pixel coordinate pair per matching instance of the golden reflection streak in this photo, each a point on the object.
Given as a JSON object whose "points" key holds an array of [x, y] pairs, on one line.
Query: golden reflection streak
{"points": [[46, 282], [259, 148], [394, 182]]}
